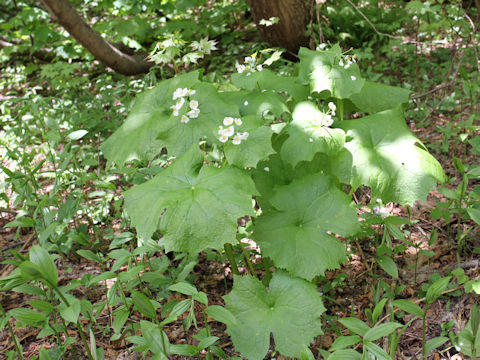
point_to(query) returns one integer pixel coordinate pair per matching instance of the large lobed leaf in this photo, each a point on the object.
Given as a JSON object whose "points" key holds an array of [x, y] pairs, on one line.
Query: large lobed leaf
{"points": [[137, 137], [374, 97], [295, 234], [389, 159], [307, 137], [290, 310], [268, 80], [203, 204], [322, 71], [178, 136]]}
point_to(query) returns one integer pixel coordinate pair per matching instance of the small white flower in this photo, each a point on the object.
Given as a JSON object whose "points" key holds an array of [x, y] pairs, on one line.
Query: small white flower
{"points": [[244, 135], [327, 120], [249, 59], [193, 104], [238, 121], [341, 62], [311, 140], [227, 121], [332, 106], [177, 94], [180, 103], [267, 169], [249, 73], [191, 92], [245, 103], [175, 110], [220, 130], [347, 66], [264, 90], [184, 119], [223, 138], [194, 113], [229, 131], [236, 140], [183, 92], [259, 67], [354, 58], [353, 78], [240, 68]]}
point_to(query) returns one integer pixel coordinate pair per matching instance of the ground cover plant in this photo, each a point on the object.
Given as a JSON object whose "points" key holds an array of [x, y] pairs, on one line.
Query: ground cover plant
{"points": [[232, 204]]}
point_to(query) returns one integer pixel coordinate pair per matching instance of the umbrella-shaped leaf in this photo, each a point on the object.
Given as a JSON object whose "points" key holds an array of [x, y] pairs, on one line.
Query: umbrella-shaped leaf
{"points": [[308, 136], [294, 234], [323, 71], [390, 159], [178, 135], [203, 204], [375, 97], [256, 102], [290, 310], [268, 80], [137, 137]]}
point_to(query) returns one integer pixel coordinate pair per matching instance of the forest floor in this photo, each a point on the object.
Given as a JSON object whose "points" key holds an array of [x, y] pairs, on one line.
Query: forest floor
{"points": [[355, 294]]}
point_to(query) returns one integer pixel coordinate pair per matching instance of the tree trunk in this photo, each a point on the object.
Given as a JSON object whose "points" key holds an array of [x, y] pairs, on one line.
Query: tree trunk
{"points": [[294, 17], [63, 13]]}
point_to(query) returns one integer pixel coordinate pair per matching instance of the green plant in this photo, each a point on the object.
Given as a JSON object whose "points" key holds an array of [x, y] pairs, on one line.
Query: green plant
{"points": [[462, 203], [288, 141]]}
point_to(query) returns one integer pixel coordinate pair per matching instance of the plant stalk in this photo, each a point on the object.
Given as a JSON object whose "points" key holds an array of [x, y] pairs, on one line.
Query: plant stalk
{"points": [[231, 258]]}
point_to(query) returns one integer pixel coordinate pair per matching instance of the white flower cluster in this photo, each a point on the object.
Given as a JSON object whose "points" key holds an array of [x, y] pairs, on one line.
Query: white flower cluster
{"points": [[325, 120], [250, 65], [349, 60], [226, 133], [179, 95]]}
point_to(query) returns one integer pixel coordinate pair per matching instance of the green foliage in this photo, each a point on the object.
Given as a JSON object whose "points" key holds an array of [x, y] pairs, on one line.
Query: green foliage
{"points": [[290, 310]]}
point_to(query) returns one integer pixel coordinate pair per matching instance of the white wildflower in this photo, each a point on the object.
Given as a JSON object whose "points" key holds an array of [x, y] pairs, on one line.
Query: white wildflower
{"points": [[238, 121], [311, 140], [193, 104], [191, 92], [332, 107], [180, 103], [175, 110], [183, 92], [327, 120], [249, 59], [240, 68], [220, 130], [177, 93], [341, 62], [184, 119], [353, 78], [267, 169], [245, 103], [229, 131], [259, 67], [194, 113], [236, 140], [244, 135], [347, 65], [223, 138], [227, 121]]}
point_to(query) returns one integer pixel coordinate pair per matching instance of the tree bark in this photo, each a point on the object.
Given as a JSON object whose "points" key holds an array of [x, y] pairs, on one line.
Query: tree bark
{"points": [[63, 13], [294, 17]]}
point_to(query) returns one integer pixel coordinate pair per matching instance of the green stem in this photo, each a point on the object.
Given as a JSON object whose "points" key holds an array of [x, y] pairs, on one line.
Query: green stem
{"points": [[340, 109], [229, 252], [15, 339], [247, 259], [424, 331], [79, 325]]}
